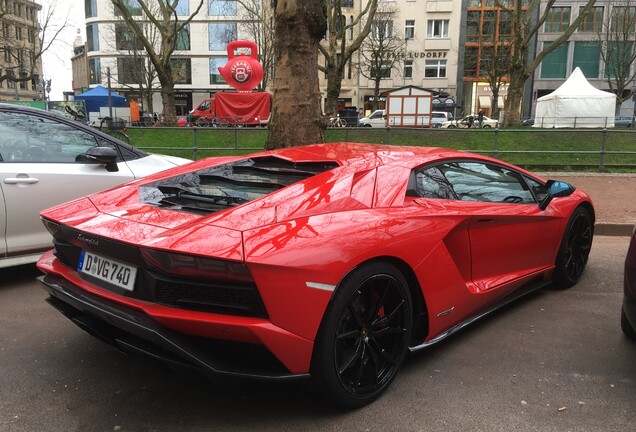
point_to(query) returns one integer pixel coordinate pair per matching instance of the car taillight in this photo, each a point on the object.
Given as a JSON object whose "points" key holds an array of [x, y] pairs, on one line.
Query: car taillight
{"points": [[197, 267]]}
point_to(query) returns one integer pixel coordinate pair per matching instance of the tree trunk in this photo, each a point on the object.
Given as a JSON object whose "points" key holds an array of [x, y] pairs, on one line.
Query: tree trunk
{"points": [[296, 116], [518, 77], [334, 85]]}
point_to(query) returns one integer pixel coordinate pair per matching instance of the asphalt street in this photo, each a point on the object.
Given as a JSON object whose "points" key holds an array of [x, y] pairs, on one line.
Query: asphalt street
{"points": [[554, 361]]}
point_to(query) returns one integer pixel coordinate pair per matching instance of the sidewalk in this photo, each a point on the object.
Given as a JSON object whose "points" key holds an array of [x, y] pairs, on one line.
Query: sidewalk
{"points": [[614, 198]]}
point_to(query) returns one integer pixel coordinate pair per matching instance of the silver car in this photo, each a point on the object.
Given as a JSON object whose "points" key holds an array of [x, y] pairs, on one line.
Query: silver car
{"points": [[46, 159]]}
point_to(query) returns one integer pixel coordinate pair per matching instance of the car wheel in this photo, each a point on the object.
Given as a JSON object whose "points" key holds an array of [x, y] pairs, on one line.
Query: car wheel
{"points": [[452, 126], [626, 326], [575, 249], [487, 126], [363, 336]]}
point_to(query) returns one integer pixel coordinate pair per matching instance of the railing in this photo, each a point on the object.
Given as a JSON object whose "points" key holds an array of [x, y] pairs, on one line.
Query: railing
{"points": [[576, 149]]}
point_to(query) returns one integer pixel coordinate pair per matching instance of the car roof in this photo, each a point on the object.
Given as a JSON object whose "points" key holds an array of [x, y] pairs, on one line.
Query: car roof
{"points": [[372, 155]]}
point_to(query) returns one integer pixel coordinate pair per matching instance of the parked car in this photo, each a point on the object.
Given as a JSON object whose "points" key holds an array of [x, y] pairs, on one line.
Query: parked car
{"points": [[468, 122], [376, 119], [439, 117], [624, 121], [628, 311], [47, 159], [327, 261]]}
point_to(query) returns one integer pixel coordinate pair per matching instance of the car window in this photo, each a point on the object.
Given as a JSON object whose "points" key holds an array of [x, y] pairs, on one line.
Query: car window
{"points": [[431, 183], [538, 189], [30, 138], [476, 181]]}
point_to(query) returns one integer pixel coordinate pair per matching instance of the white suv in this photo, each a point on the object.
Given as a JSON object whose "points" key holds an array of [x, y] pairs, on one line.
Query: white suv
{"points": [[439, 117]]}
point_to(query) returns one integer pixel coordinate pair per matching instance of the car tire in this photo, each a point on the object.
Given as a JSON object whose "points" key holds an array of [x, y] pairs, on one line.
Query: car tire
{"points": [[626, 326], [574, 249], [487, 126], [363, 337]]}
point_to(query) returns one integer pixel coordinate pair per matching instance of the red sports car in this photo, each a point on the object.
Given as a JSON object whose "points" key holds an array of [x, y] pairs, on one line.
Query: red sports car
{"points": [[326, 261]]}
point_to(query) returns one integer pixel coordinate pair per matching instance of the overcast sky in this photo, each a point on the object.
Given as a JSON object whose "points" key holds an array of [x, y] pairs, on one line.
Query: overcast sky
{"points": [[56, 62]]}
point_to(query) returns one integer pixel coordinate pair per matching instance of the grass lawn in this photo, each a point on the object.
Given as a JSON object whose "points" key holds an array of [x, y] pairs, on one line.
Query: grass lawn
{"points": [[565, 149]]}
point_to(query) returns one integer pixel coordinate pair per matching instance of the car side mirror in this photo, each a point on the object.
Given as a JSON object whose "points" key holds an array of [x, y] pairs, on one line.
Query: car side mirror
{"points": [[104, 156], [556, 189]]}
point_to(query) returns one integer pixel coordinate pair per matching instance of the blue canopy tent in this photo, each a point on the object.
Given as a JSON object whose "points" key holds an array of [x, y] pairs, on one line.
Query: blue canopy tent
{"points": [[97, 97]]}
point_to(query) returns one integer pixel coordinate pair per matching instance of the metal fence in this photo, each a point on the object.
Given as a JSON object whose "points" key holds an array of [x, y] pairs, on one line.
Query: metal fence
{"points": [[577, 149]]}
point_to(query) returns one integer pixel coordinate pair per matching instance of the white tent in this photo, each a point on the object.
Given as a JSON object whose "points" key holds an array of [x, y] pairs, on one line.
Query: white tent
{"points": [[577, 103]]}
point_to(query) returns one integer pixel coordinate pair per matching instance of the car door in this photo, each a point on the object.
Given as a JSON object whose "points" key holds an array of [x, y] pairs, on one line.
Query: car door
{"points": [[44, 164], [509, 236]]}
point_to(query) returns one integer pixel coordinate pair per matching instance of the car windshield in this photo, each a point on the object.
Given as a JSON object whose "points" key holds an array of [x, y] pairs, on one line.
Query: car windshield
{"points": [[228, 185]]}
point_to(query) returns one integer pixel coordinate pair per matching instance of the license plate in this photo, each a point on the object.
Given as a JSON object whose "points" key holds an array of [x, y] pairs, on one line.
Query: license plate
{"points": [[108, 270]]}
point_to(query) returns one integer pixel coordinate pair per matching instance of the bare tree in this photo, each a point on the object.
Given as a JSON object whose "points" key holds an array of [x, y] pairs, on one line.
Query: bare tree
{"points": [[296, 118], [526, 22], [342, 42], [258, 26], [618, 51], [162, 14], [135, 71], [24, 51], [382, 51]]}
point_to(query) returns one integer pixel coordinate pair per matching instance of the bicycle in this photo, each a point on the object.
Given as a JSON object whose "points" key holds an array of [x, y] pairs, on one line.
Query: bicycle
{"points": [[337, 122], [114, 127]]}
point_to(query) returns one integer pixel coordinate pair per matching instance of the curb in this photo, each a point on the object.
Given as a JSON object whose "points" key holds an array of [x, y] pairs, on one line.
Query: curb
{"points": [[613, 229]]}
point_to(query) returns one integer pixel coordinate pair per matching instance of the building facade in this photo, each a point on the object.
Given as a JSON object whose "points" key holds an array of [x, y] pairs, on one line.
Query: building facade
{"points": [[602, 46], [113, 53], [20, 63], [429, 33]]}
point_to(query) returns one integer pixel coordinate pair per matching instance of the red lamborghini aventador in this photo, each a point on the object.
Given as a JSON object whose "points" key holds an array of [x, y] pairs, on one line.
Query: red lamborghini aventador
{"points": [[327, 262]]}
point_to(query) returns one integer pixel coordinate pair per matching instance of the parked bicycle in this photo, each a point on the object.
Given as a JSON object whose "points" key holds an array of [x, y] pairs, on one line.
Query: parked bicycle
{"points": [[337, 122]]}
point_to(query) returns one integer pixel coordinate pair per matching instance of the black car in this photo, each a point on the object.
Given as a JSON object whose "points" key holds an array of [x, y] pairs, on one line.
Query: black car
{"points": [[628, 314]]}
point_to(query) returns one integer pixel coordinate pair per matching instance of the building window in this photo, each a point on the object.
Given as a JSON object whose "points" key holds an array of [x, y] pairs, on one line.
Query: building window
{"points": [[132, 6], [593, 21], [129, 70], [221, 34], [408, 68], [92, 37], [30, 35], [382, 29], [340, 25], [94, 71], [618, 58], [558, 19], [435, 69], [383, 71], [587, 56], [181, 70], [183, 8], [215, 63], [351, 27], [437, 29], [623, 19], [347, 3], [126, 39], [90, 8], [5, 30], [222, 7], [409, 29], [18, 32], [554, 64], [183, 39], [8, 56]]}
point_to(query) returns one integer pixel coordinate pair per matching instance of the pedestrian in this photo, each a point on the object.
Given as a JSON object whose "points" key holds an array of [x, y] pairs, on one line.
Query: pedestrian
{"points": [[480, 118]]}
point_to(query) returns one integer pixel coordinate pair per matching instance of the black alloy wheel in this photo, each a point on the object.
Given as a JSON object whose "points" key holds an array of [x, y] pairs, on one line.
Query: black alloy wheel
{"points": [[575, 249], [364, 336]]}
